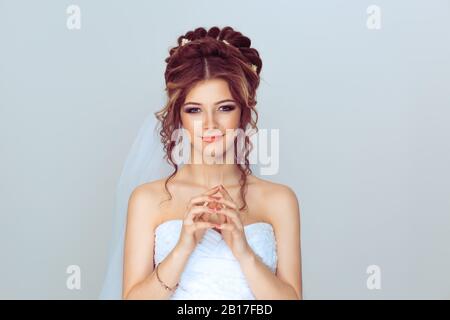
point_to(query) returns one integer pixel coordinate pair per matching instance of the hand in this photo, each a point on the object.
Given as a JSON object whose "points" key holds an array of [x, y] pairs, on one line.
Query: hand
{"points": [[232, 229], [197, 220]]}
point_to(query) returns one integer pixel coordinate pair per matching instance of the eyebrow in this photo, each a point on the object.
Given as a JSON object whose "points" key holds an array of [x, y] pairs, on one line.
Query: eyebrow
{"points": [[218, 102]]}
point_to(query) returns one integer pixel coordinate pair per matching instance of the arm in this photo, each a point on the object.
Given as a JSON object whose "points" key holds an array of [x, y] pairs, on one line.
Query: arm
{"points": [[139, 278], [287, 283]]}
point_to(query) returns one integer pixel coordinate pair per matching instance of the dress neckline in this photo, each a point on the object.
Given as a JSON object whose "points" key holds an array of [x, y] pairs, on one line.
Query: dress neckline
{"points": [[245, 226]]}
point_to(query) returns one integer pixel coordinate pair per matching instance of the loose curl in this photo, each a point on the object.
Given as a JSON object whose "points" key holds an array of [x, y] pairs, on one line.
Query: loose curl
{"points": [[207, 56]]}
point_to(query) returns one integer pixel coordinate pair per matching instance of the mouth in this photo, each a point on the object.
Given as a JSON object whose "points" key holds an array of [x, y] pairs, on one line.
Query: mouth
{"points": [[211, 138]]}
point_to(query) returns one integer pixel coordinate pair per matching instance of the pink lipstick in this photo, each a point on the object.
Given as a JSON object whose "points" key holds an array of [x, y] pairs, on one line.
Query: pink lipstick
{"points": [[211, 138]]}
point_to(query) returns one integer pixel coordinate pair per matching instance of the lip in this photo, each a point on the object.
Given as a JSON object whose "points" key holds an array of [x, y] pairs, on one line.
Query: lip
{"points": [[211, 138]]}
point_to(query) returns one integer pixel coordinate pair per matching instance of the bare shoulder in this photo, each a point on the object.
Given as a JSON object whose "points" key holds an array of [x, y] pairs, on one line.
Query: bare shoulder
{"points": [[144, 202], [280, 202], [270, 191]]}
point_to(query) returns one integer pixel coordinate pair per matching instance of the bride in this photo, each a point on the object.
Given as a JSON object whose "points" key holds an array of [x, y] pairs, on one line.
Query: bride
{"points": [[211, 229]]}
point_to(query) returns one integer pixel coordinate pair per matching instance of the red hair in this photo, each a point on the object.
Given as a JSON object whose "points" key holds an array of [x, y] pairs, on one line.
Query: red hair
{"points": [[204, 57]]}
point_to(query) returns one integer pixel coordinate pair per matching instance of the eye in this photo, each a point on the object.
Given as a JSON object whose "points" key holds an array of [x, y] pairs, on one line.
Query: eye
{"points": [[228, 107], [192, 110]]}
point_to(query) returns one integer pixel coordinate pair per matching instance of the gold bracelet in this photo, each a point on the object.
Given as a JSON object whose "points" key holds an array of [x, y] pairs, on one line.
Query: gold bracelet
{"points": [[162, 283]]}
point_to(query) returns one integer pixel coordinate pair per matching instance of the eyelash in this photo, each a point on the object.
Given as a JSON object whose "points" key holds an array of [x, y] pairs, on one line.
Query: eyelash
{"points": [[230, 108]]}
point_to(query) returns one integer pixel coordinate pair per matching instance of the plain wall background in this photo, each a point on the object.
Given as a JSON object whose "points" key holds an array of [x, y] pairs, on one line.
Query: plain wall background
{"points": [[363, 118]]}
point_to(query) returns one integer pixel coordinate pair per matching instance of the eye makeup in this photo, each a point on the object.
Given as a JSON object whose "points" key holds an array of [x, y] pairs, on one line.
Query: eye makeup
{"points": [[225, 108], [229, 107], [191, 109]]}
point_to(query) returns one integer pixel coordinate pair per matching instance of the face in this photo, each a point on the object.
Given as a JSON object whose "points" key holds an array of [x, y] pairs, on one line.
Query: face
{"points": [[210, 115]]}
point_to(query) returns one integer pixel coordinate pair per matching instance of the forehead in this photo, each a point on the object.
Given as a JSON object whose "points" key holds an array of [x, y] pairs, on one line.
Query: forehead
{"points": [[209, 92]]}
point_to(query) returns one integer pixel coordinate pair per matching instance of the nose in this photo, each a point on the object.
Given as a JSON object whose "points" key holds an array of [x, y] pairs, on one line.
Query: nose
{"points": [[209, 120]]}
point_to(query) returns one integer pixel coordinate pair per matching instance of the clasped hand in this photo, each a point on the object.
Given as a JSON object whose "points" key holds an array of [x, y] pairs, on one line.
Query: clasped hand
{"points": [[227, 218]]}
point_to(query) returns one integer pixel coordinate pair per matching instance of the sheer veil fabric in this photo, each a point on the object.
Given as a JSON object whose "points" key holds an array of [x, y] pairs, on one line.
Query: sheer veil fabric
{"points": [[145, 162]]}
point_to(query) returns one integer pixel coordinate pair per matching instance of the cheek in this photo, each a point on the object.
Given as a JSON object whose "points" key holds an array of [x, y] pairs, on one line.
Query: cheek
{"points": [[192, 125], [231, 120], [187, 122]]}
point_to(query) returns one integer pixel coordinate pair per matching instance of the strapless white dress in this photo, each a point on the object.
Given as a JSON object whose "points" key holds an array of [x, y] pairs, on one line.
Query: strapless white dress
{"points": [[212, 271]]}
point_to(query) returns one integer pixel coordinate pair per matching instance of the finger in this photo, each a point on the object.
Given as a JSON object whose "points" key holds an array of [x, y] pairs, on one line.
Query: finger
{"points": [[218, 195], [196, 211], [202, 217], [232, 215], [228, 203], [211, 191], [199, 217], [225, 193], [204, 225], [199, 199], [227, 226]]}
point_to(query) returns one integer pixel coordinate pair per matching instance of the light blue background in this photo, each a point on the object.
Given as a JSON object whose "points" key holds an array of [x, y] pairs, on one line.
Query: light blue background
{"points": [[363, 118]]}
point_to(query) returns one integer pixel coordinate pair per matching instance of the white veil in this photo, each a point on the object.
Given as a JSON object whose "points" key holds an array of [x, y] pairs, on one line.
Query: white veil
{"points": [[145, 162]]}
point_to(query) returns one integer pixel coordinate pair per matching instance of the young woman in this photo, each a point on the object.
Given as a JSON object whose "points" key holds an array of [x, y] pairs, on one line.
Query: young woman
{"points": [[212, 230]]}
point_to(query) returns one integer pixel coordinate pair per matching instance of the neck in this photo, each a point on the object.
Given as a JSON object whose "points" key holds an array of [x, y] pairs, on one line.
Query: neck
{"points": [[211, 175]]}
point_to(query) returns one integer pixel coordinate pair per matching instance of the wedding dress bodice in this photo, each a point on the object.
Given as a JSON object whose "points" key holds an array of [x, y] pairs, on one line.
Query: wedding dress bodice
{"points": [[212, 271]]}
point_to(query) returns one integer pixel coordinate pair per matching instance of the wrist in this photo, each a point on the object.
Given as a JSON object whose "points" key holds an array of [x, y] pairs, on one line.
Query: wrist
{"points": [[247, 257], [181, 252]]}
